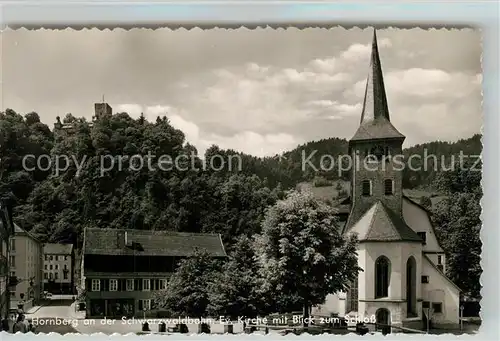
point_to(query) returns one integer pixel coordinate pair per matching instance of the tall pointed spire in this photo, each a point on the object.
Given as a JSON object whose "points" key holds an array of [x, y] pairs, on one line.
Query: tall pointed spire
{"points": [[375, 121], [375, 102]]}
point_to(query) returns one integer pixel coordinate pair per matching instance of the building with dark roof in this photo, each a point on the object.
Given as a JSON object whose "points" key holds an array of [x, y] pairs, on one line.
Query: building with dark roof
{"points": [[58, 263], [403, 281], [121, 268], [25, 267]]}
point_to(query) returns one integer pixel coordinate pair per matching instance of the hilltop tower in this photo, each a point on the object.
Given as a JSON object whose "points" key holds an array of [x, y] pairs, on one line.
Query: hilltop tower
{"points": [[102, 110]]}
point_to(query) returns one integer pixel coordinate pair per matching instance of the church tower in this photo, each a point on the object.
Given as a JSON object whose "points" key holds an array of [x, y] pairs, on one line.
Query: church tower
{"points": [[376, 215], [396, 281], [375, 149]]}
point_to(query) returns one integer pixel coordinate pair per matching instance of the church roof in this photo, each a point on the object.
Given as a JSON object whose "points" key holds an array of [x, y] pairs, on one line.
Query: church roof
{"points": [[375, 122], [380, 223]]}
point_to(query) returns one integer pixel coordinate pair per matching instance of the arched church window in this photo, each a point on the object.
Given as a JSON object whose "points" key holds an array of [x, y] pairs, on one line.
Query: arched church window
{"points": [[388, 187], [366, 189], [382, 276]]}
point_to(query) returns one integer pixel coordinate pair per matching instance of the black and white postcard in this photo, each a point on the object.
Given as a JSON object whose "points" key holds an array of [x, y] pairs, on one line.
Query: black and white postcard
{"points": [[269, 181]]}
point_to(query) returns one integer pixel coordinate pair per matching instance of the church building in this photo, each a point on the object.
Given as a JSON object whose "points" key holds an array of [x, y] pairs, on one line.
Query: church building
{"points": [[403, 282]]}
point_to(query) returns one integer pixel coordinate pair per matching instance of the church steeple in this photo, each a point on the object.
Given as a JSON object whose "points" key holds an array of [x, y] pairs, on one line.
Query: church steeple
{"points": [[376, 178], [375, 121]]}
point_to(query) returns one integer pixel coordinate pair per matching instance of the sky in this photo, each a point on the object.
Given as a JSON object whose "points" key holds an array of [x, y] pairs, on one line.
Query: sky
{"points": [[260, 91]]}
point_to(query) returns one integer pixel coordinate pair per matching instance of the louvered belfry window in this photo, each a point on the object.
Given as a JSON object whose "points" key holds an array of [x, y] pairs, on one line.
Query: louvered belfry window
{"points": [[366, 188], [389, 187]]}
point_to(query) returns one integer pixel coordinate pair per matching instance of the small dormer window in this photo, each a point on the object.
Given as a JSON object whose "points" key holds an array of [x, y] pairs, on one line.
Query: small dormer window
{"points": [[366, 188], [422, 236]]}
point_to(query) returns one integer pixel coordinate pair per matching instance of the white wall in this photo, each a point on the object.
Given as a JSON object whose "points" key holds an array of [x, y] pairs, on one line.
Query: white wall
{"points": [[416, 218], [398, 254], [439, 289], [434, 257]]}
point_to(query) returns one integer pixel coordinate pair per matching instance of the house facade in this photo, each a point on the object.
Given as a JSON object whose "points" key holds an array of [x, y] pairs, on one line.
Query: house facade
{"points": [[122, 269], [58, 265], [25, 267], [6, 229], [403, 281], [4, 272]]}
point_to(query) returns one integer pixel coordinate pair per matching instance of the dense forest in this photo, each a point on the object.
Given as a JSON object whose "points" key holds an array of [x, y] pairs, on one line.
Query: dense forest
{"points": [[57, 206]]}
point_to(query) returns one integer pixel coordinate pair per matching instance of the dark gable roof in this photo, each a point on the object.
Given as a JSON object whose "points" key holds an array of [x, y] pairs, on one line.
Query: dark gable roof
{"points": [[380, 223], [57, 249], [99, 241]]}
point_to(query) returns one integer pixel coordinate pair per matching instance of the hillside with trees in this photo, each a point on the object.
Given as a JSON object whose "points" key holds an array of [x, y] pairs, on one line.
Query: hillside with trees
{"points": [[232, 202]]}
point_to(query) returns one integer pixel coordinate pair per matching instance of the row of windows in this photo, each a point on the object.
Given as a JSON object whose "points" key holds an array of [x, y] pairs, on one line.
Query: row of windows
{"points": [[55, 275], [12, 243], [55, 267], [366, 187], [130, 285], [56, 257], [12, 261]]}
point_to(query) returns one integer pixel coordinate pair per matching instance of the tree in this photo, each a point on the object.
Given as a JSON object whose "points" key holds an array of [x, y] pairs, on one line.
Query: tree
{"points": [[81, 294], [32, 118], [301, 254], [187, 292], [235, 290], [426, 202], [458, 223]]}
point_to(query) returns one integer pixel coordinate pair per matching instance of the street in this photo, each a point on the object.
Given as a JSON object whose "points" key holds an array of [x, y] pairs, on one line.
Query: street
{"points": [[58, 315], [57, 306], [54, 316]]}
